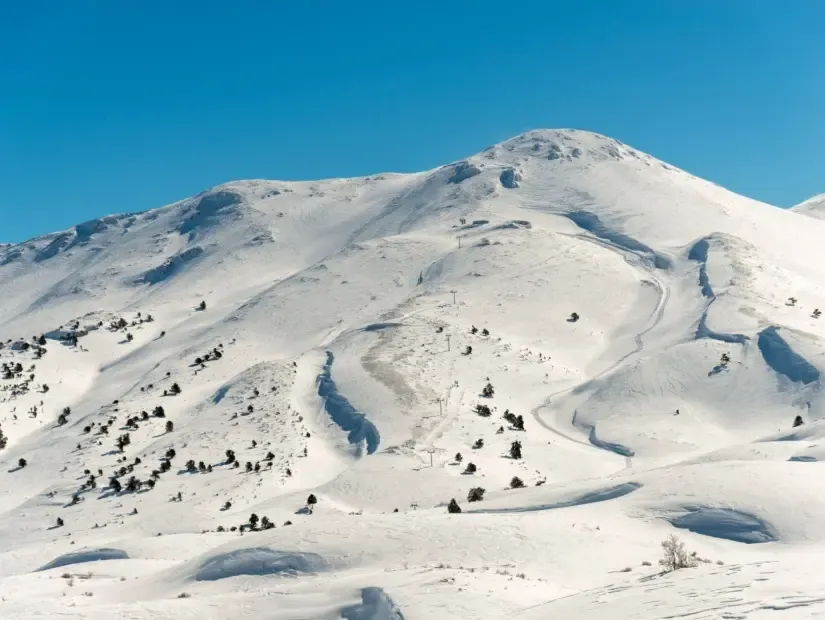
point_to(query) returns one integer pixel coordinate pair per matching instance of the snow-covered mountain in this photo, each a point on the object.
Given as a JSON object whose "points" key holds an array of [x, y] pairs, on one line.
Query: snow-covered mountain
{"points": [[813, 207], [621, 350]]}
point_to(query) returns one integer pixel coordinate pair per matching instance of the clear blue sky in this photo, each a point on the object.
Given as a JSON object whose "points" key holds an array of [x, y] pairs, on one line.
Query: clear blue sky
{"points": [[111, 106]]}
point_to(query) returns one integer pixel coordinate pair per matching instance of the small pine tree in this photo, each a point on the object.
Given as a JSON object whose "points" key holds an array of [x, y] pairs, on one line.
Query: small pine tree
{"points": [[476, 494], [798, 421], [470, 469], [478, 444], [516, 483], [175, 389], [453, 507], [59, 522], [458, 457], [21, 463], [515, 450], [170, 426], [202, 305], [311, 500], [488, 391]]}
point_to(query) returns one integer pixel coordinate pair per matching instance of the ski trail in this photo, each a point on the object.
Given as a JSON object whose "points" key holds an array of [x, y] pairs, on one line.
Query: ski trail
{"points": [[653, 321]]}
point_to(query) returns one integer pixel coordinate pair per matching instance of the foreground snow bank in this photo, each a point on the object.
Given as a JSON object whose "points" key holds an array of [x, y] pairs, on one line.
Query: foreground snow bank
{"points": [[375, 605], [258, 561], [725, 523], [87, 555]]}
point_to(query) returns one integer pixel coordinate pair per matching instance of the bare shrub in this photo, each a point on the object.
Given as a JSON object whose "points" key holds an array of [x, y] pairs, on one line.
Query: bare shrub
{"points": [[674, 555]]}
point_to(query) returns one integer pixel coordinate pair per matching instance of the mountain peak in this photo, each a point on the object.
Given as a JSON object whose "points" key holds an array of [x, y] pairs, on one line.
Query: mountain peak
{"points": [[570, 144]]}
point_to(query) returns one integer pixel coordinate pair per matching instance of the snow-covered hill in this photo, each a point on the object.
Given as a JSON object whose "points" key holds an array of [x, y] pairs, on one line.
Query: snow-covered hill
{"points": [[813, 207], [619, 349]]}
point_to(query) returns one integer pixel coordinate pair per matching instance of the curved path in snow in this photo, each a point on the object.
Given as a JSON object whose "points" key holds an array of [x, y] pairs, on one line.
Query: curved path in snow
{"points": [[653, 321]]}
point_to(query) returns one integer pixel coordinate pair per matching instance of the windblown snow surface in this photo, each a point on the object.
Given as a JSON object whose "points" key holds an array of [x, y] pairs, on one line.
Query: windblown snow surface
{"points": [[666, 408]]}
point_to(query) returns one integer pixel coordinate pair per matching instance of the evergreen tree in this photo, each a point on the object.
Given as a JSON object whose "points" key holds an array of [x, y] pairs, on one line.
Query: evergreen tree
{"points": [[515, 450], [475, 495], [453, 507]]}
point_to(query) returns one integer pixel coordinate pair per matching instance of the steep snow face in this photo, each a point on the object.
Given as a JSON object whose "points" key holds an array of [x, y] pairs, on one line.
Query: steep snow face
{"points": [[813, 207], [271, 391]]}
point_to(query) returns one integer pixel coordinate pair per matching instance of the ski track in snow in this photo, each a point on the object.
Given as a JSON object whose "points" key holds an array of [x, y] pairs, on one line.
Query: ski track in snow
{"points": [[654, 320]]}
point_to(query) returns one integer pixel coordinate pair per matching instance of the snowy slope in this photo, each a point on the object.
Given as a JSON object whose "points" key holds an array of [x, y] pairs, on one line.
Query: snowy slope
{"points": [[813, 207], [349, 329]]}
